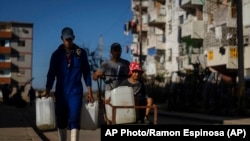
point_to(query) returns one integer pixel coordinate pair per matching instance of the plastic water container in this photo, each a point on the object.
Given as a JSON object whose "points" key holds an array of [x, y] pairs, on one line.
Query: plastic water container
{"points": [[89, 115], [45, 113], [121, 96]]}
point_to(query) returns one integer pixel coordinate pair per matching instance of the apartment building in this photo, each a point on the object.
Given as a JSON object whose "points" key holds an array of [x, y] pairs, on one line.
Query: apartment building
{"points": [[149, 42], [174, 35], [221, 36], [221, 43], [16, 45], [191, 34]]}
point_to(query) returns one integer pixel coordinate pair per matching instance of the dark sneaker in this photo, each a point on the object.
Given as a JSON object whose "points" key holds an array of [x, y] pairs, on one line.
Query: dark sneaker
{"points": [[147, 120]]}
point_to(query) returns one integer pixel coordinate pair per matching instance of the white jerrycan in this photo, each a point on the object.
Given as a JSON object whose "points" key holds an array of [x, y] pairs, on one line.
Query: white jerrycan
{"points": [[121, 96], [89, 115], [45, 113]]}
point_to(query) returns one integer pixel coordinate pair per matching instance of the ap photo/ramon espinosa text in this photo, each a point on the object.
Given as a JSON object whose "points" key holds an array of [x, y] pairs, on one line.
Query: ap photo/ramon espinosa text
{"points": [[192, 132]]}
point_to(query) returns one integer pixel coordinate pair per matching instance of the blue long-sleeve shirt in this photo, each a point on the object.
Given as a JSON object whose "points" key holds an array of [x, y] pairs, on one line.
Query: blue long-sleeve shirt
{"points": [[68, 72]]}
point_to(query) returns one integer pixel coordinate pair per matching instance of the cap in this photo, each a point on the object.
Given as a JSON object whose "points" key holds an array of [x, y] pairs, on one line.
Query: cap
{"points": [[67, 33], [116, 47], [134, 66]]}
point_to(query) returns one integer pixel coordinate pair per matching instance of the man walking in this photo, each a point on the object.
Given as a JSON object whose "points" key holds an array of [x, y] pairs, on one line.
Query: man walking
{"points": [[68, 65]]}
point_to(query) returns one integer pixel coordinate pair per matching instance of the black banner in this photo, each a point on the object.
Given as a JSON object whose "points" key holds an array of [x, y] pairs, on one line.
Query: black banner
{"points": [[190, 132]]}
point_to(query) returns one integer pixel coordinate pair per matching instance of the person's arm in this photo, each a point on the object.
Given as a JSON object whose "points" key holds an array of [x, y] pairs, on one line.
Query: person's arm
{"points": [[100, 71], [97, 74], [87, 77], [51, 75], [90, 94]]}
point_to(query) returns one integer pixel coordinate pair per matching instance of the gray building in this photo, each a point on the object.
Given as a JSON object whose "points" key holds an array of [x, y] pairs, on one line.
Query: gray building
{"points": [[16, 46]]}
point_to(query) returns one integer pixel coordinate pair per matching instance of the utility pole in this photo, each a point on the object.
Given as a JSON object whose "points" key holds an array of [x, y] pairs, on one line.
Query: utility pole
{"points": [[100, 48], [140, 32], [241, 83]]}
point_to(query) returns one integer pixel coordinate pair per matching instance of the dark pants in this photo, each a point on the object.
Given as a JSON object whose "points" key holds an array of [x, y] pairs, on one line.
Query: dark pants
{"points": [[140, 101]]}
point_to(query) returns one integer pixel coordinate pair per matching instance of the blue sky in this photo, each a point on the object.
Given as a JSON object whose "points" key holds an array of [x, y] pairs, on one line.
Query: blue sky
{"points": [[88, 18]]}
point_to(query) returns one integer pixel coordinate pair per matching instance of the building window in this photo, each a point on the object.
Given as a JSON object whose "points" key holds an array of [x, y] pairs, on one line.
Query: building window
{"points": [[169, 54], [210, 19], [233, 12], [21, 58], [4, 43], [2, 57], [181, 19], [160, 55], [234, 9], [4, 27], [169, 26], [25, 31], [179, 34], [21, 43], [1, 72], [164, 38], [181, 64]]}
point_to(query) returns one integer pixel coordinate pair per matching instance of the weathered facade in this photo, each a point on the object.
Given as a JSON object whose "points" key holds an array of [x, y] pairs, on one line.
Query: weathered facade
{"points": [[16, 47]]}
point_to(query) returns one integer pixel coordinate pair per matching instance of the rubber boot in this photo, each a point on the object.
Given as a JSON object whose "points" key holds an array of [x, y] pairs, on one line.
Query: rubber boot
{"points": [[62, 134], [74, 135]]}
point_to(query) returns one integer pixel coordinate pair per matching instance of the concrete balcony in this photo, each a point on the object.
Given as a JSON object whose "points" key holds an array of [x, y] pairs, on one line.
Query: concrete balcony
{"points": [[144, 27], [195, 29], [135, 49], [187, 4], [161, 1], [135, 4], [229, 59], [223, 56], [157, 45], [5, 34], [157, 18], [183, 62], [5, 50], [4, 80], [161, 45], [224, 16], [5, 65]]}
